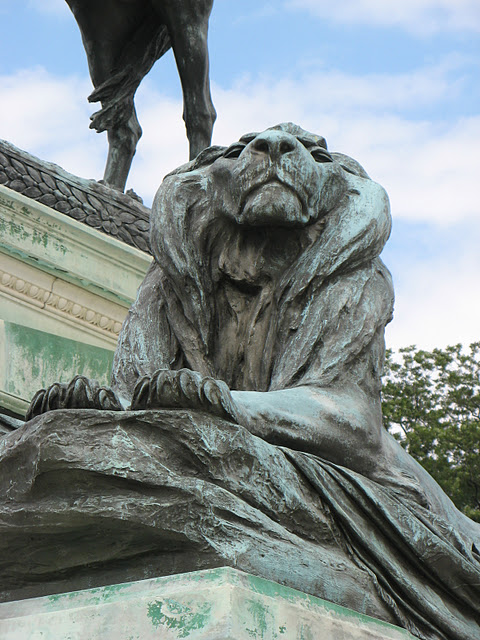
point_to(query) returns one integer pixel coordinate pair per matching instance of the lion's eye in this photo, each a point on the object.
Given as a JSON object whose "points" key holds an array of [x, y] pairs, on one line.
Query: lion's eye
{"points": [[234, 150], [321, 155]]}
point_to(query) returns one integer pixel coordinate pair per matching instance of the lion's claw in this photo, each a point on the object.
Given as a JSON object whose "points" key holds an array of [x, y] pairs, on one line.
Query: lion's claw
{"points": [[80, 393], [183, 389]]}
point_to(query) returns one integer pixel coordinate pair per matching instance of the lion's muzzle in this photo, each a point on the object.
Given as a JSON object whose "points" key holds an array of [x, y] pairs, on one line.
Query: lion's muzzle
{"points": [[273, 203]]}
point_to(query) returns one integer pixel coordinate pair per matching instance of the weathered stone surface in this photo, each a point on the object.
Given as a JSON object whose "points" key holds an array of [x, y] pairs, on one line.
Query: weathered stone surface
{"points": [[30, 358], [59, 282], [219, 604], [251, 366]]}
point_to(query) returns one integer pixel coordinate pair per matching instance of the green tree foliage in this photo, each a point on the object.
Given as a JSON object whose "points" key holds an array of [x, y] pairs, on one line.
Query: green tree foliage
{"points": [[431, 404]]}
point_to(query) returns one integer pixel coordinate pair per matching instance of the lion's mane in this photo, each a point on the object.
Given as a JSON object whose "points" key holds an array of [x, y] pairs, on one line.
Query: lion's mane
{"points": [[261, 308]]}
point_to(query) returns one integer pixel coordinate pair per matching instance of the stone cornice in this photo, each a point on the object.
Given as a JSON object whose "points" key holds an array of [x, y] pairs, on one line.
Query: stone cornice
{"points": [[69, 249], [13, 403], [61, 299]]}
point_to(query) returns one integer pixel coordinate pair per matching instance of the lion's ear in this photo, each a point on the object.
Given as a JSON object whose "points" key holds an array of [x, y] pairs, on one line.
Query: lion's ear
{"points": [[350, 165]]}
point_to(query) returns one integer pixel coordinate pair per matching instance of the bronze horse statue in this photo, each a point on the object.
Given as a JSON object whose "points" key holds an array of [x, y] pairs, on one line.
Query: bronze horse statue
{"points": [[122, 40]]}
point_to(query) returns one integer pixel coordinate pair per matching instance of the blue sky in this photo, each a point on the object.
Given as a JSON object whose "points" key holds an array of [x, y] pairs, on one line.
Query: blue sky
{"points": [[395, 85]]}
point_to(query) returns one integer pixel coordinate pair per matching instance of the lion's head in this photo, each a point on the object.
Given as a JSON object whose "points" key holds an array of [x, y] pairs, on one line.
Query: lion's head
{"points": [[281, 177], [255, 245]]}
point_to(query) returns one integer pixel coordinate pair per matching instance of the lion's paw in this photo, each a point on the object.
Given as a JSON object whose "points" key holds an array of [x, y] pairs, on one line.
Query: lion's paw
{"points": [[184, 389], [80, 393]]}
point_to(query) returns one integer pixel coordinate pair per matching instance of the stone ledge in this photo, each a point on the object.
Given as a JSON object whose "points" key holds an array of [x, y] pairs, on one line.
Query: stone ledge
{"points": [[69, 249], [56, 305], [13, 403], [216, 604]]}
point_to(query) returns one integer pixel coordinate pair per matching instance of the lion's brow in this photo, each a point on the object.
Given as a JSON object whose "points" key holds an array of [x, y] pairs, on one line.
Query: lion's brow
{"points": [[248, 137], [307, 142]]}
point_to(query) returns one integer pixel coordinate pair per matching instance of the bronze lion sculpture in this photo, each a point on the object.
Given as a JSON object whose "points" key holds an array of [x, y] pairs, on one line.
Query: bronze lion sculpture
{"points": [[250, 367]]}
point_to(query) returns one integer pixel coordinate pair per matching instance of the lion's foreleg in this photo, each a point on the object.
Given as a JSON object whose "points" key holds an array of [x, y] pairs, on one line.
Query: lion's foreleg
{"points": [[340, 425]]}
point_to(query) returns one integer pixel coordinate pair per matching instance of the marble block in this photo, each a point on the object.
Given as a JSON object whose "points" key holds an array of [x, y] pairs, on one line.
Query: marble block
{"points": [[216, 604]]}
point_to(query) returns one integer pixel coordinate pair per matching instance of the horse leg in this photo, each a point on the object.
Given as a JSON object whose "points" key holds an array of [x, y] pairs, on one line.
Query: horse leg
{"points": [[122, 143], [187, 24], [105, 27]]}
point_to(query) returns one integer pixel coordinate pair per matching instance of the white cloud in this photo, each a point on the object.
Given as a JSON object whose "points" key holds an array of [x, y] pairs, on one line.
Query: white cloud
{"points": [[421, 17], [340, 93], [49, 116], [430, 170], [163, 145], [436, 299]]}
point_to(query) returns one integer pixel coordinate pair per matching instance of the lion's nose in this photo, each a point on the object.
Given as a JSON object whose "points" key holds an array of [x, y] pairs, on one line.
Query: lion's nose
{"points": [[274, 143]]}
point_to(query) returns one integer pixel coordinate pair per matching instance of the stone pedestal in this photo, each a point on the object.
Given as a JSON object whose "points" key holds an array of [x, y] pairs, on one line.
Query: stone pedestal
{"points": [[217, 604], [65, 288]]}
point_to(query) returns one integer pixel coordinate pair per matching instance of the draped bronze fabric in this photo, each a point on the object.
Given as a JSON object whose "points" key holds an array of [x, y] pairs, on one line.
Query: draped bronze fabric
{"points": [[425, 570]]}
